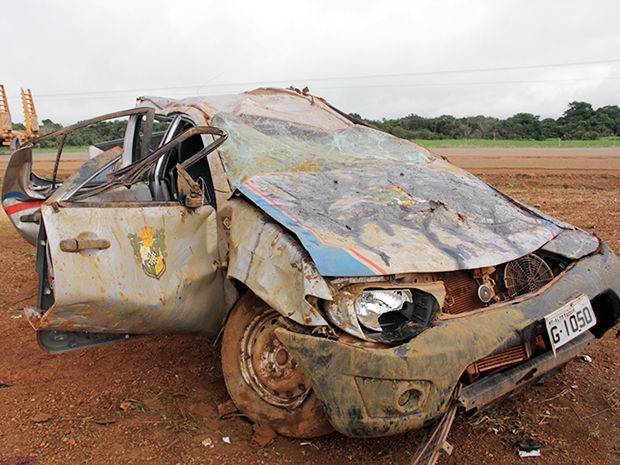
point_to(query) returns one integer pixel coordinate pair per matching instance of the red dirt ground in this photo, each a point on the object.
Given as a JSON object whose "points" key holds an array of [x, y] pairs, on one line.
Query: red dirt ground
{"points": [[154, 400]]}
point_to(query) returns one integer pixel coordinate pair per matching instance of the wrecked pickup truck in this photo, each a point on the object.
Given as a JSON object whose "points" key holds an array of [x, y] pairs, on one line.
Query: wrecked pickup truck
{"points": [[360, 282]]}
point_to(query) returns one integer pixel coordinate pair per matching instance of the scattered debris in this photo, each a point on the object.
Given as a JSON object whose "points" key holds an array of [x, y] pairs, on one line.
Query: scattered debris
{"points": [[263, 434], [226, 410], [529, 448], [124, 406], [105, 421], [207, 442], [435, 442], [132, 404], [613, 399], [226, 439], [586, 358], [308, 443], [4, 385], [16, 317], [41, 417]]}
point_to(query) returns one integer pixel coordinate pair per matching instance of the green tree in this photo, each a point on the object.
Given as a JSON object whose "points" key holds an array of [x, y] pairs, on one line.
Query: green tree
{"points": [[549, 128], [606, 120], [48, 126], [521, 126], [577, 122], [446, 127]]}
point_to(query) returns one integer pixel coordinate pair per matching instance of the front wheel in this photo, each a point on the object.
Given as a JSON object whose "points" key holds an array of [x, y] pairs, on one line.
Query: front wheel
{"points": [[263, 379]]}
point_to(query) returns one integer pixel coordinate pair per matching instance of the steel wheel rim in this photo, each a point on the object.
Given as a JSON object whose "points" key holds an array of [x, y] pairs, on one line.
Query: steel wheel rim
{"points": [[268, 367]]}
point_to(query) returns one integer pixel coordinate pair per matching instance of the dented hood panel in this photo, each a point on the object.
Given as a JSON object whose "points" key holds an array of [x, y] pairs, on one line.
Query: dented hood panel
{"points": [[377, 219]]}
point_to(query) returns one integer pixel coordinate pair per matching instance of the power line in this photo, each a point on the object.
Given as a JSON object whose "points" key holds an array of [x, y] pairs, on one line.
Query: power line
{"points": [[366, 86], [469, 83], [335, 78]]}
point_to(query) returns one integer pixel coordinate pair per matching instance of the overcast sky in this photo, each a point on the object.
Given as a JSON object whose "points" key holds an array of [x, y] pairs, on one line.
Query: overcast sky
{"points": [[376, 58]]}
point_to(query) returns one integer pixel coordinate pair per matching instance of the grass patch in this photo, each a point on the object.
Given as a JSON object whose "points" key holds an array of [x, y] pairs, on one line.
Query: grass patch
{"points": [[434, 143], [548, 143], [67, 148]]}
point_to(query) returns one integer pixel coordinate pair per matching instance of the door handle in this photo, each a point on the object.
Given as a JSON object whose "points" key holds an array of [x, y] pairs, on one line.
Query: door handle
{"points": [[77, 245]]}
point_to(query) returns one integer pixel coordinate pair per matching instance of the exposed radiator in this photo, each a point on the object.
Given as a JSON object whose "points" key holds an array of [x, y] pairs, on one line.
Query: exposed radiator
{"points": [[461, 292], [496, 362]]}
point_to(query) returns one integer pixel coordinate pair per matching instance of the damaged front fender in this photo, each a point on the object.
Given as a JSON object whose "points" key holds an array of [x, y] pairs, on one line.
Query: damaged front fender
{"points": [[274, 266]]}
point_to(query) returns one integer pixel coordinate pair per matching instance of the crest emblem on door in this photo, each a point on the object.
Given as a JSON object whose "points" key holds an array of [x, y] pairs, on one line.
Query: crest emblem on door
{"points": [[150, 250]]}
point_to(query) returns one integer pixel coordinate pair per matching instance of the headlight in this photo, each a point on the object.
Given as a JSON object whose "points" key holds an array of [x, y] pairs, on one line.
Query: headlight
{"points": [[385, 314], [370, 305]]}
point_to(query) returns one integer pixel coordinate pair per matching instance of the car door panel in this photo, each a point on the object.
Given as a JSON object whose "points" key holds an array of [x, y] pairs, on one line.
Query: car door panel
{"points": [[133, 268]]}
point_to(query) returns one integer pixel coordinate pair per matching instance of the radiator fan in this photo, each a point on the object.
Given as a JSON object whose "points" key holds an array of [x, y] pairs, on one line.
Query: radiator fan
{"points": [[526, 274]]}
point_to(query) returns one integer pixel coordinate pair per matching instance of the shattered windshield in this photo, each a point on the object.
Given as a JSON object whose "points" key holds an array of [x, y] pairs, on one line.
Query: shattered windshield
{"points": [[258, 144]]}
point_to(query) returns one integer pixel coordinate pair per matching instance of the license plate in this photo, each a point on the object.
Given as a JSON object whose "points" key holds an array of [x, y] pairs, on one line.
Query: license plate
{"points": [[569, 321]]}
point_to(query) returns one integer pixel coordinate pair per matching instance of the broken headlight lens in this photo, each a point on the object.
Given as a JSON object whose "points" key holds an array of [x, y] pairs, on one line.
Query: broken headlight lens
{"points": [[382, 314], [370, 305]]}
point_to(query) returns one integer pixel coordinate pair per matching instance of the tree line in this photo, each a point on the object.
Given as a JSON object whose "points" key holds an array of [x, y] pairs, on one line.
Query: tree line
{"points": [[89, 135], [579, 122]]}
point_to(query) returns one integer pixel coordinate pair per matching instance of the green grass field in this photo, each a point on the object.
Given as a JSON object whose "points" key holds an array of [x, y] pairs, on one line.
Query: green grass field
{"points": [[433, 143], [69, 148], [606, 142]]}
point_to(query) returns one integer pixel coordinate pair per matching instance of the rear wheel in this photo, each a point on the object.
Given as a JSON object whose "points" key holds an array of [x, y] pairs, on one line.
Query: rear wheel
{"points": [[263, 379]]}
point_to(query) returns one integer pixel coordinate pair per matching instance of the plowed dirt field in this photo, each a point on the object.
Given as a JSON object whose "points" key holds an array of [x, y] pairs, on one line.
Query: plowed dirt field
{"points": [[154, 399]]}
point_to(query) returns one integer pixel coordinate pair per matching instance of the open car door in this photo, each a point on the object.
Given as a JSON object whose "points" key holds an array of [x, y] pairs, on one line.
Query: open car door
{"points": [[24, 191], [114, 262]]}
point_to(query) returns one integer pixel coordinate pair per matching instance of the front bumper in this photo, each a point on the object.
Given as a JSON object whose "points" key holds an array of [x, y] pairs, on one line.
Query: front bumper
{"points": [[381, 391]]}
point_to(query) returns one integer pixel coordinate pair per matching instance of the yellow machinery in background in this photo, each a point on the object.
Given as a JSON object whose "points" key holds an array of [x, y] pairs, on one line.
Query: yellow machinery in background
{"points": [[13, 138]]}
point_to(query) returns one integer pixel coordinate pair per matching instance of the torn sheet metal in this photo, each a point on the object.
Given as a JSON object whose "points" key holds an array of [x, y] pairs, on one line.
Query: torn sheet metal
{"points": [[280, 104], [266, 259], [23, 194], [573, 244], [377, 219]]}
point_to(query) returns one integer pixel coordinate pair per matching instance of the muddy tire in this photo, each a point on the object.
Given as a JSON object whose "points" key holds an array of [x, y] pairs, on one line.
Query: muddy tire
{"points": [[262, 378]]}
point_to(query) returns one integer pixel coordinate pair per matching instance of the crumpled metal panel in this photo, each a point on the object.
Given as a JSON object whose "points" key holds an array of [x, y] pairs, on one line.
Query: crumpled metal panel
{"points": [[270, 262], [361, 201], [281, 104], [18, 199], [116, 289], [379, 219], [573, 244], [434, 361]]}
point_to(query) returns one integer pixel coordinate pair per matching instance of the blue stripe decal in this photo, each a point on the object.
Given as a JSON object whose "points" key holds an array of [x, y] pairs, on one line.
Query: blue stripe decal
{"points": [[329, 260], [15, 195]]}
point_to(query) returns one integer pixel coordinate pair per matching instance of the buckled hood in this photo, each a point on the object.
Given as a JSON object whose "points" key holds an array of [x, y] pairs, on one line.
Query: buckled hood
{"points": [[377, 219]]}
